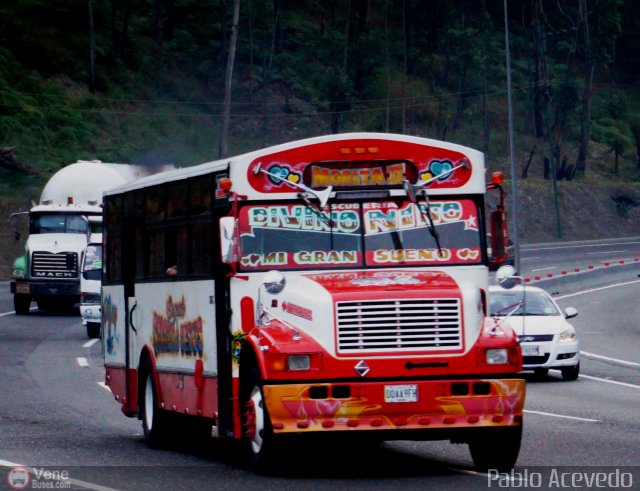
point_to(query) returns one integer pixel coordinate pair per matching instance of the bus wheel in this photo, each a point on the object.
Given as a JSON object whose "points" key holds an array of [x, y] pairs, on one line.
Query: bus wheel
{"points": [[21, 303], [496, 450], [93, 329], [256, 424], [155, 421]]}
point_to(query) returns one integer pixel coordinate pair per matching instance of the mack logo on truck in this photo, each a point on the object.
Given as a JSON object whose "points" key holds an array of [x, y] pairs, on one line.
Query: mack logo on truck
{"points": [[53, 274]]}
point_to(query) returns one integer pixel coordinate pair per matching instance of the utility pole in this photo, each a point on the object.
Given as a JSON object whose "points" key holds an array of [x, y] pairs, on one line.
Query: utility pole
{"points": [[512, 151]]}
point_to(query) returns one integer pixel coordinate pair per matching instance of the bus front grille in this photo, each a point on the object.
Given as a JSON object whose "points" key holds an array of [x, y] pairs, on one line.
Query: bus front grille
{"points": [[399, 325]]}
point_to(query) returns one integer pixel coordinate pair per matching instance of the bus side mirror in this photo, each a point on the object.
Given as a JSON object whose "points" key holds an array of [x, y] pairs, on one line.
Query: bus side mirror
{"points": [[228, 240], [498, 227]]}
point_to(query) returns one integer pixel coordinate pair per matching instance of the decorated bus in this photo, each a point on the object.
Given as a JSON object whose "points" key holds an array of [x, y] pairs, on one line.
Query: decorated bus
{"points": [[325, 287]]}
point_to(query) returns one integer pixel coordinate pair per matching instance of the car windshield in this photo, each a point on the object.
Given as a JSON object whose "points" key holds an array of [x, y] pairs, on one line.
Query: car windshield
{"points": [[358, 234], [537, 303]]}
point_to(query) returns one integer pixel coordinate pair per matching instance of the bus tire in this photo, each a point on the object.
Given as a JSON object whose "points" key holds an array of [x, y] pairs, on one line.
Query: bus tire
{"points": [[155, 421], [21, 303], [93, 330], [257, 431], [497, 450]]}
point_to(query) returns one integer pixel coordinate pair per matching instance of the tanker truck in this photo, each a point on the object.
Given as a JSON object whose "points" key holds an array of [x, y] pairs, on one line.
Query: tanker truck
{"points": [[49, 271]]}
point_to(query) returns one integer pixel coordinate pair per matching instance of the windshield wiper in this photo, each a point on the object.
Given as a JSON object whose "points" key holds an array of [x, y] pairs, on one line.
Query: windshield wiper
{"points": [[415, 190], [321, 196]]}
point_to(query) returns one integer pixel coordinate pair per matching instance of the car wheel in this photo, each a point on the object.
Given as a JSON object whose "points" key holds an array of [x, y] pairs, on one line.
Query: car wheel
{"points": [[155, 421], [497, 451], [571, 373], [540, 372], [256, 424], [93, 329], [21, 303]]}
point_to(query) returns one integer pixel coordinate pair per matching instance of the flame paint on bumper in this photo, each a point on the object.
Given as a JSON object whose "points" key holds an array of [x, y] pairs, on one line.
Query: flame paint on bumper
{"points": [[292, 410]]}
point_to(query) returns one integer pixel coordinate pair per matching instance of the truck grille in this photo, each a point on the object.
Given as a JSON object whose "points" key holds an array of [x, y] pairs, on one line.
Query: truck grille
{"points": [[399, 325], [50, 265]]}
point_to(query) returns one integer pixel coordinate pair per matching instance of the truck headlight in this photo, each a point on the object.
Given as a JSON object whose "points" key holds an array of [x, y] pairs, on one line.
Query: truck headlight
{"points": [[18, 273], [568, 335], [498, 356]]}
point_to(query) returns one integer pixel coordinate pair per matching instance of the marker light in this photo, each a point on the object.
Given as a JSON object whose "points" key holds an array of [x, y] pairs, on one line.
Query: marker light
{"points": [[497, 178], [225, 184]]}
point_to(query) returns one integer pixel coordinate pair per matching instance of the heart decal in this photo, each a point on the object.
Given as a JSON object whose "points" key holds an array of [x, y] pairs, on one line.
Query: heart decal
{"points": [[438, 167]]}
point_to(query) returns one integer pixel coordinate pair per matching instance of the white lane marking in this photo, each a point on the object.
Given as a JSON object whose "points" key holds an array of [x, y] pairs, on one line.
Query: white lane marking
{"points": [[607, 358], [543, 269], [604, 252], [13, 311], [103, 385], [75, 482], [82, 361], [88, 344], [530, 258], [577, 246], [614, 382], [563, 416], [596, 289], [6, 463]]}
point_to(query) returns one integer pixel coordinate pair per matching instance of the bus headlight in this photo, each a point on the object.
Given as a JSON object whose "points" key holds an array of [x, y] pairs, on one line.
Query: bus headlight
{"points": [[299, 362], [499, 356], [568, 335]]}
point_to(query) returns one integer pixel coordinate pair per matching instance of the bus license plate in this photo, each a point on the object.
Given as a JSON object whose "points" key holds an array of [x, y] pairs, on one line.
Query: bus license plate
{"points": [[530, 350], [401, 393]]}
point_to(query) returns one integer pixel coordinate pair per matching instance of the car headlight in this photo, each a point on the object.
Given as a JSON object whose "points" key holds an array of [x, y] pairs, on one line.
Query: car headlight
{"points": [[568, 335], [498, 356]]}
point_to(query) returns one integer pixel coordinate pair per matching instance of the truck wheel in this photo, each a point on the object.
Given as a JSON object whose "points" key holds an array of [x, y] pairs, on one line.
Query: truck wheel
{"points": [[570, 373], [256, 424], [155, 421], [21, 303], [498, 450], [93, 329]]}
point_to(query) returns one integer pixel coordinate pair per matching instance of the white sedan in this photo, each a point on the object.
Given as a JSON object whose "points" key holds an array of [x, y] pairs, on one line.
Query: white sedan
{"points": [[548, 341]]}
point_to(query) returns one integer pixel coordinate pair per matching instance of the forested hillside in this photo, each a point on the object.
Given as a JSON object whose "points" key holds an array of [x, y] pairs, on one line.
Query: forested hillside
{"points": [[143, 81]]}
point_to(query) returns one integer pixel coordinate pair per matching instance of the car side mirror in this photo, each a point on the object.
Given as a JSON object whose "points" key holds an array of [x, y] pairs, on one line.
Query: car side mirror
{"points": [[570, 312]]}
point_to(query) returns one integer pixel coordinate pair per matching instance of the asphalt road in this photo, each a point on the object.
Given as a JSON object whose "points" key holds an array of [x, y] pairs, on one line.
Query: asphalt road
{"points": [[55, 414], [540, 260]]}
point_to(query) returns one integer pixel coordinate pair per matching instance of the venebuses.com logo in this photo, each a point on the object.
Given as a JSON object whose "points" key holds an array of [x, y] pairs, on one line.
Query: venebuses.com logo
{"points": [[18, 478], [38, 478]]}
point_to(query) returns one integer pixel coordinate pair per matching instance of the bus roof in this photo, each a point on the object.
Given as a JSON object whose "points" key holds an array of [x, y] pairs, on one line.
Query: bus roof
{"points": [[343, 160]]}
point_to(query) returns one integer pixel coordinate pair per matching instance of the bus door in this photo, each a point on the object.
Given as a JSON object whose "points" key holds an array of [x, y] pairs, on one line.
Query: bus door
{"points": [[131, 250]]}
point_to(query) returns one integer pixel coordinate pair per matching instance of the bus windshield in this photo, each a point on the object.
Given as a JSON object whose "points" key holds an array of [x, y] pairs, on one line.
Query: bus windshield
{"points": [[358, 234], [60, 223]]}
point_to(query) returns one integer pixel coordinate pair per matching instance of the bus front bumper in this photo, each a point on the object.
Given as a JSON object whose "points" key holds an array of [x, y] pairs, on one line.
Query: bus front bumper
{"points": [[438, 405]]}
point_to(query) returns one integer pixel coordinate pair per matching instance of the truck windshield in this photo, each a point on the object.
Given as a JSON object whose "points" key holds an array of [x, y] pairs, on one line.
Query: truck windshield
{"points": [[358, 234], [61, 223]]}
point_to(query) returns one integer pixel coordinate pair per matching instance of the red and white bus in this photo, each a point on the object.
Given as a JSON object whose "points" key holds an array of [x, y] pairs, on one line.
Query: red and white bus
{"points": [[329, 286]]}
